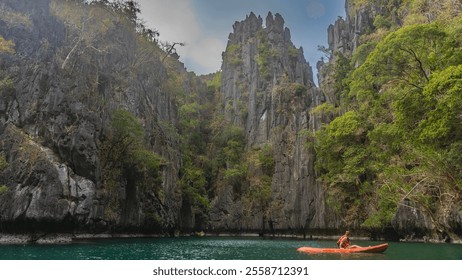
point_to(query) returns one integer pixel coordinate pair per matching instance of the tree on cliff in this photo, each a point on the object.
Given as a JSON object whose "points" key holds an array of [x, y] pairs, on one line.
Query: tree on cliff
{"points": [[90, 22], [394, 141], [85, 25], [125, 160]]}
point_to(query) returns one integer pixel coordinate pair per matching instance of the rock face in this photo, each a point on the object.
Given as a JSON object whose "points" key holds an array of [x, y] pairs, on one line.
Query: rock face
{"points": [[343, 38], [44, 190], [411, 221], [72, 70], [344, 35], [56, 117], [268, 90]]}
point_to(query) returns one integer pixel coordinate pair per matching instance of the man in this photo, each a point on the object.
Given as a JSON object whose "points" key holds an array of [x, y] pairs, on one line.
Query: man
{"points": [[344, 241]]}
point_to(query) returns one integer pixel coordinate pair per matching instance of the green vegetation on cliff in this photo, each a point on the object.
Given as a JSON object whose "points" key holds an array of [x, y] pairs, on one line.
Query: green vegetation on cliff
{"points": [[400, 134], [126, 163], [163, 149]]}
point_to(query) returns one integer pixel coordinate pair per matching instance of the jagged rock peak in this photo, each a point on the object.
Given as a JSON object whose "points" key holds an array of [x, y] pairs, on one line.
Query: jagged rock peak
{"points": [[276, 22], [348, 7], [251, 23]]}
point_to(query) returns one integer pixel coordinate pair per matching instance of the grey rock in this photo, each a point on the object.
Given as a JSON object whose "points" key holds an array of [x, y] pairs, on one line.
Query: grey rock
{"points": [[54, 121], [272, 114]]}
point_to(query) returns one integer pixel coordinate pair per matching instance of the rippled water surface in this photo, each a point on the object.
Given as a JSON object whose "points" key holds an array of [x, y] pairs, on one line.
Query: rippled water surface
{"points": [[217, 248]]}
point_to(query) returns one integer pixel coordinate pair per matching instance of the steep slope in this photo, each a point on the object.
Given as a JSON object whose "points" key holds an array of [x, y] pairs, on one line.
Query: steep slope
{"points": [[103, 131], [388, 149], [86, 125], [268, 90]]}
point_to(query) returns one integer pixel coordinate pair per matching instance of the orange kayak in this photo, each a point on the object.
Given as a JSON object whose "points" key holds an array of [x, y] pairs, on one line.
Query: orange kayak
{"points": [[369, 249]]}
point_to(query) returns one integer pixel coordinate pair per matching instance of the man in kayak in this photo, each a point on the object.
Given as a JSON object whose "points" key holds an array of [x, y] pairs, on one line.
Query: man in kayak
{"points": [[344, 241]]}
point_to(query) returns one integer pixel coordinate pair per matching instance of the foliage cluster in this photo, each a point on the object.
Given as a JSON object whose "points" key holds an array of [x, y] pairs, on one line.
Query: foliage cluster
{"points": [[257, 195], [194, 177], [6, 46], [266, 54], [232, 55], [248, 172], [3, 189], [126, 163], [232, 165], [3, 165], [196, 101], [6, 86], [214, 84], [399, 130], [230, 143], [293, 52]]}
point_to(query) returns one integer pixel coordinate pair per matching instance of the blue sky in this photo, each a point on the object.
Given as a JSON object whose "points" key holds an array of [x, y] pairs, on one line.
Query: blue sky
{"points": [[204, 25]]}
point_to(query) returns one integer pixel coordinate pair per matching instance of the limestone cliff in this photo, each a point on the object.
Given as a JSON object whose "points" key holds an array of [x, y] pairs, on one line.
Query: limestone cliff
{"points": [[70, 72], [268, 91], [102, 131]]}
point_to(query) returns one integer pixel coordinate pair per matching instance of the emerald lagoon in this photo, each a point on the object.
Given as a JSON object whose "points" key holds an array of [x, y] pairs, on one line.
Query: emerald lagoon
{"points": [[218, 248]]}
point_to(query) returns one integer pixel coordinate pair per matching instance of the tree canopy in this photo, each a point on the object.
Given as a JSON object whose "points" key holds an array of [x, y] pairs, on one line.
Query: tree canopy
{"points": [[401, 127]]}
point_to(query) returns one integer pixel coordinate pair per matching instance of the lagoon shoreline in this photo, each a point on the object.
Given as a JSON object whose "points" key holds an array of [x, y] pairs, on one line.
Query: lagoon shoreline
{"points": [[68, 238]]}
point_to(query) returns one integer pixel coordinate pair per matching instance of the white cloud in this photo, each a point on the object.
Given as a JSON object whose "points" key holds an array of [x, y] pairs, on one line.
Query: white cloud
{"points": [[206, 52], [315, 9], [177, 22]]}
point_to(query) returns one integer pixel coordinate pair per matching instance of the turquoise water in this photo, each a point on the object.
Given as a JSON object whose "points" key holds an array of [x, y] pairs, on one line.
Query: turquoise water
{"points": [[217, 248]]}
